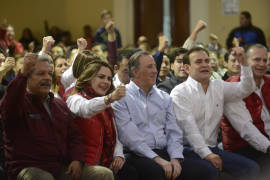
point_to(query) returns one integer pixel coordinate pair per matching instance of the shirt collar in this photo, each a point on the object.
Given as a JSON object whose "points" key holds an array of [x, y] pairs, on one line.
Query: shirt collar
{"points": [[193, 83], [139, 91], [261, 85]]}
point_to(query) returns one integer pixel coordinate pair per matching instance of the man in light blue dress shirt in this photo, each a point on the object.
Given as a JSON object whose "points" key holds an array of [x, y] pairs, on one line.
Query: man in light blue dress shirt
{"points": [[147, 126]]}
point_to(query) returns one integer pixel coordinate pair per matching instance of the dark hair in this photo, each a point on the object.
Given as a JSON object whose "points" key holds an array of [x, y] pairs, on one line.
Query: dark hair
{"points": [[134, 61], [176, 53], [105, 12], [186, 59], [121, 55], [246, 14], [227, 55]]}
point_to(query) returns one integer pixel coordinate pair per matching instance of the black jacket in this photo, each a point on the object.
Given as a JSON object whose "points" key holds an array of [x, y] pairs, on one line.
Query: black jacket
{"points": [[250, 34], [168, 85]]}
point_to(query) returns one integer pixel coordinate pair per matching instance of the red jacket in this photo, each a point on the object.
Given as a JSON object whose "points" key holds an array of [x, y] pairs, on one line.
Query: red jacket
{"points": [[230, 138], [99, 137], [31, 137], [5, 43]]}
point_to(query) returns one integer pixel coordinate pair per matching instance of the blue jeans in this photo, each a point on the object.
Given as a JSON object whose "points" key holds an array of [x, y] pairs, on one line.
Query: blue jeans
{"points": [[237, 166]]}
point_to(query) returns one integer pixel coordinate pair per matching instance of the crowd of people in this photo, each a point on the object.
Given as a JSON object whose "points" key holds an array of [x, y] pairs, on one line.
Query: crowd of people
{"points": [[98, 110]]}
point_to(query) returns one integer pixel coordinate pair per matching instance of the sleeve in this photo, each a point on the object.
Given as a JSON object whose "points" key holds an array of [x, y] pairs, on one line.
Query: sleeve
{"points": [[261, 37], [183, 110], [128, 132], [119, 40], [112, 52], [230, 39], [236, 91], [174, 134], [14, 99], [85, 108], [67, 77], [118, 150], [76, 148], [188, 44], [97, 37], [241, 120]]}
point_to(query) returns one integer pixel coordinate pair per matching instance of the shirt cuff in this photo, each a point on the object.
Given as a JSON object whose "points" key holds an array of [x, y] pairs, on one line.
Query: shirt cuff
{"points": [[177, 154], [203, 152]]}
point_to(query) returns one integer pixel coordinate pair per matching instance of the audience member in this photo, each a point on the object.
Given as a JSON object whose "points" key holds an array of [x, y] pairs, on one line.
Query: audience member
{"points": [[216, 71], [121, 76], [28, 41], [101, 36], [179, 75], [232, 64], [41, 140], [91, 101], [60, 66], [7, 40], [247, 132], [247, 34], [198, 105]]}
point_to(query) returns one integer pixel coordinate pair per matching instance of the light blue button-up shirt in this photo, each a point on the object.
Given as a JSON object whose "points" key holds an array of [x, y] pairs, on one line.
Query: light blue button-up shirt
{"points": [[146, 122]]}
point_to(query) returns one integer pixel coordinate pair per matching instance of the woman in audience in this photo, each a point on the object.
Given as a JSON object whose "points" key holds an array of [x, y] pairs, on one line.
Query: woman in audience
{"points": [[60, 66], [91, 103], [28, 41], [57, 51], [164, 73], [69, 77]]}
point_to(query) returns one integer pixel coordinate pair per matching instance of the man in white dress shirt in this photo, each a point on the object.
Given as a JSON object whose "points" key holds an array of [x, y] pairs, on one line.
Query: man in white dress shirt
{"points": [[198, 105]]}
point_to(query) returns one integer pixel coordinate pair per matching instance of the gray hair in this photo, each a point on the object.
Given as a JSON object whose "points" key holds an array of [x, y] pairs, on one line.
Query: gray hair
{"points": [[134, 61], [42, 58], [259, 46]]}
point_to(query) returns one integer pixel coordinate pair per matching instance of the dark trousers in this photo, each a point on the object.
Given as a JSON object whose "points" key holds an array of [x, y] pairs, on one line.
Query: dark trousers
{"points": [[261, 158], [239, 167], [127, 172], [148, 169]]}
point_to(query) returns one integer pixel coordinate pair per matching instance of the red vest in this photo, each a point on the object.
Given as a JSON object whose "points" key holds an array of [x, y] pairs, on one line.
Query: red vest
{"points": [[230, 138], [99, 137]]}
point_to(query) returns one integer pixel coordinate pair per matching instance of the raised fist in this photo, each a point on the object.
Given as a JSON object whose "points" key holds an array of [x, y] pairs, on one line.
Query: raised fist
{"points": [[48, 42], [30, 60], [162, 43], [9, 64], [81, 43], [118, 93], [110, 27]]}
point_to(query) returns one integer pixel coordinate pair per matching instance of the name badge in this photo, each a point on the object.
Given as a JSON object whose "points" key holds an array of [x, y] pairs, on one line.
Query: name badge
{"points": [[34, 116]]}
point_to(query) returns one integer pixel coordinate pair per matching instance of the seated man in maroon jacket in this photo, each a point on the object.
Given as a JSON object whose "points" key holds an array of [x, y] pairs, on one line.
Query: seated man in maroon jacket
{"points": [[41, 140], [246, 127]]}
